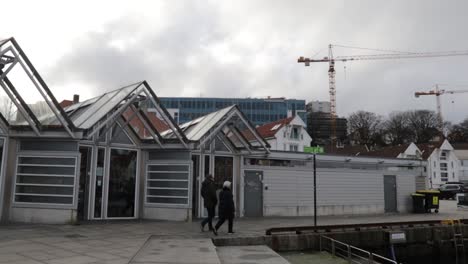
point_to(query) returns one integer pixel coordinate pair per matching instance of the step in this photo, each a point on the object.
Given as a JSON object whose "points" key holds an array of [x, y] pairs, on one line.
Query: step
{"points": [[249, 255]]}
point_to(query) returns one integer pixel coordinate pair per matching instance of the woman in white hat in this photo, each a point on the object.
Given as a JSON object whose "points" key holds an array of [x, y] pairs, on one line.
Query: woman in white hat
{"points": [[226, 208]]}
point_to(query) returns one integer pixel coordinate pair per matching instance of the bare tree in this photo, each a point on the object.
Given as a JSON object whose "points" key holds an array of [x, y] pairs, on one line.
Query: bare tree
{"points": [[7, 108], [459, 132], [397, 128], [423, 125], [365, 128]]}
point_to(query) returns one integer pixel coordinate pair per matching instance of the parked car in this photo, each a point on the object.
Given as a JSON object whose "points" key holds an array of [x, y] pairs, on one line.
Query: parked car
{"points": [[450, 190]]}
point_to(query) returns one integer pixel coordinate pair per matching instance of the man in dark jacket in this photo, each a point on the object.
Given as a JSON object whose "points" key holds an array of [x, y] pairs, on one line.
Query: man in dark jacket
{"points": [[226, 208], [208, 192]]}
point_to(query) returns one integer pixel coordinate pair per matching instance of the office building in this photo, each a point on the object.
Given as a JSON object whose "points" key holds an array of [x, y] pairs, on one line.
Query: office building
{"points": [[259, 111]]}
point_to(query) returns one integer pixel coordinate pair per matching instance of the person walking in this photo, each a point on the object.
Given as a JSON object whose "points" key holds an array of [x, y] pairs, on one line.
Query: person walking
{"points": [[208, 192], [226, 208]]}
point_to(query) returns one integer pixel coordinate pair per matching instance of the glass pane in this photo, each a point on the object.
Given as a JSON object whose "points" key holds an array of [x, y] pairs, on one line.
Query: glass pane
{"points": [[223, 170], [168, 176], [122, 176], [168, 168], [42, 160], [167, 192], [167, 200], [102, 106], [172, 184], [45, 180], [99, 183], [85, 179], [44, 190], [207, 166], [48, 145], [43, 199], [47, 170], [8, 109], [119, 136], [219, 146], [1, 154], [29, 93]]}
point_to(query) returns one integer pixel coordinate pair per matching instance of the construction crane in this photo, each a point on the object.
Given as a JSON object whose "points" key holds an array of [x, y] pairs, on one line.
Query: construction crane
{"points": [[394, 55], [437, 93]]}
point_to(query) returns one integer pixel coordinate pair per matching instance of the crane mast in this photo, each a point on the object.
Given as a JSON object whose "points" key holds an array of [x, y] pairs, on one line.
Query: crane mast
{"points": [[331, 73]]}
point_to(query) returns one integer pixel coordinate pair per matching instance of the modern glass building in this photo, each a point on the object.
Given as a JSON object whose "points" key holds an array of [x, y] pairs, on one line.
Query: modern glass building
{"points": [[258, 110]]}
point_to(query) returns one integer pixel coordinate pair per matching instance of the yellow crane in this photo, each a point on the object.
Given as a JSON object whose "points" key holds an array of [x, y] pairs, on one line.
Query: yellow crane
{"points": [[393, 55], [437, 93]]}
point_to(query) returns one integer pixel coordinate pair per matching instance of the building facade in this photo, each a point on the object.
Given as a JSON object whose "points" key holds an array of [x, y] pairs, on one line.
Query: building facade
{"points": [[109, 158], [289, 134], [319, 106], [258, 110], [320, 129], [461, 151]]}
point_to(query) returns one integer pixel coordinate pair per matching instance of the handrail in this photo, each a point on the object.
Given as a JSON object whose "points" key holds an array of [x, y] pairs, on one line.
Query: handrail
{"points": [[350, 256]]}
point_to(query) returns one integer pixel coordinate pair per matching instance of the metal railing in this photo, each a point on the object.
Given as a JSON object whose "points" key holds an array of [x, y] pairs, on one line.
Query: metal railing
{"points": [[350, 253]]}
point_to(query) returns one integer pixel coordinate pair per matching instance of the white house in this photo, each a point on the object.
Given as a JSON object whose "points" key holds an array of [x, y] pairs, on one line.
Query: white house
{"points": [[461, 151], [442, 162], [288, 134]]}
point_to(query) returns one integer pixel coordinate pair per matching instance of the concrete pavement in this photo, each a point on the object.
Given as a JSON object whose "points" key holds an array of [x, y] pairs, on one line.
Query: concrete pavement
{"points": [[124, 241]]}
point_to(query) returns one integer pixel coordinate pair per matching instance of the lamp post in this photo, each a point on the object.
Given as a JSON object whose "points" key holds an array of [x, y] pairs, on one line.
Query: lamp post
{"points": [[315, 190]]}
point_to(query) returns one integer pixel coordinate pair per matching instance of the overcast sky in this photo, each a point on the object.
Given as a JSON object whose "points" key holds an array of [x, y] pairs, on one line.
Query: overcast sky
{"points": [[246, 48]]}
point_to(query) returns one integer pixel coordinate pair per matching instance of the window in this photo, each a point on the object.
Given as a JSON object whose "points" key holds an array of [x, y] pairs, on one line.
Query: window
{"points": [[45, 180], [453, 175], [444, 176], [443, 166], [443, 155], [452, 164], [293, 147], [435, 165], [295, 133], [168, 184], [434, 175]]}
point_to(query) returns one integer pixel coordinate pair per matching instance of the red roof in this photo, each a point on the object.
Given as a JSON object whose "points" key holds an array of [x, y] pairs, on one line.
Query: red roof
{"points": [[65, 103], [267, 131], [388, 152], [138, 125], [460, 146]]}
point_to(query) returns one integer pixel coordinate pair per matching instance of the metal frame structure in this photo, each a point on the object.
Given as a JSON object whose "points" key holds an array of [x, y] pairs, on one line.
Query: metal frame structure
{"points": [[10, 57]]}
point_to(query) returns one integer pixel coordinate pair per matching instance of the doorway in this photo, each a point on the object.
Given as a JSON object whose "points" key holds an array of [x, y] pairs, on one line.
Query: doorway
{"points": [[108, 181], [195, 184], [390, 193], [122, 183], [253, 194], [84, 184]]}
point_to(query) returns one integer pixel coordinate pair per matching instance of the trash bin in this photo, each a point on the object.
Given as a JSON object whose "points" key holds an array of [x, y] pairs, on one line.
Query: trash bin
{"points": [[431, 200], [418, 203]]}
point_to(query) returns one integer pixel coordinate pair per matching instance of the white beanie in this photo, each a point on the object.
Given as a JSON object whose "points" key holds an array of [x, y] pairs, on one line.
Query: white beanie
{"points": [[227, 184]]}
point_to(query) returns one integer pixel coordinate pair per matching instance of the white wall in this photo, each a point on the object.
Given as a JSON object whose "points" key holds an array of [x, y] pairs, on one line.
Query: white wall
{"points": [[434, 169], [42, 215], [283, 140], [462, 156], [339, 191]]}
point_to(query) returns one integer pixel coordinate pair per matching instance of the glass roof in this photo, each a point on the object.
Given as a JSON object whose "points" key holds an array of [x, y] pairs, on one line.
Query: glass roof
{"points": [[96, 109], [205, 123]]}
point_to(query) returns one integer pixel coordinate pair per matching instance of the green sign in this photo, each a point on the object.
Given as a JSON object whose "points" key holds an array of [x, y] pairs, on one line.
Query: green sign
{"points": [[316, 149]]}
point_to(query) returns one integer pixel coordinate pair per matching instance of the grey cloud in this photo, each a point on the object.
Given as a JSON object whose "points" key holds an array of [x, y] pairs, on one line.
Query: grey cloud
{"points": [[180, 59]]}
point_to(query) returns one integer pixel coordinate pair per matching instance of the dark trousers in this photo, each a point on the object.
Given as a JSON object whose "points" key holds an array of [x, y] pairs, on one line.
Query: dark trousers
{"points": [[209, 219], [221, 221]]}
